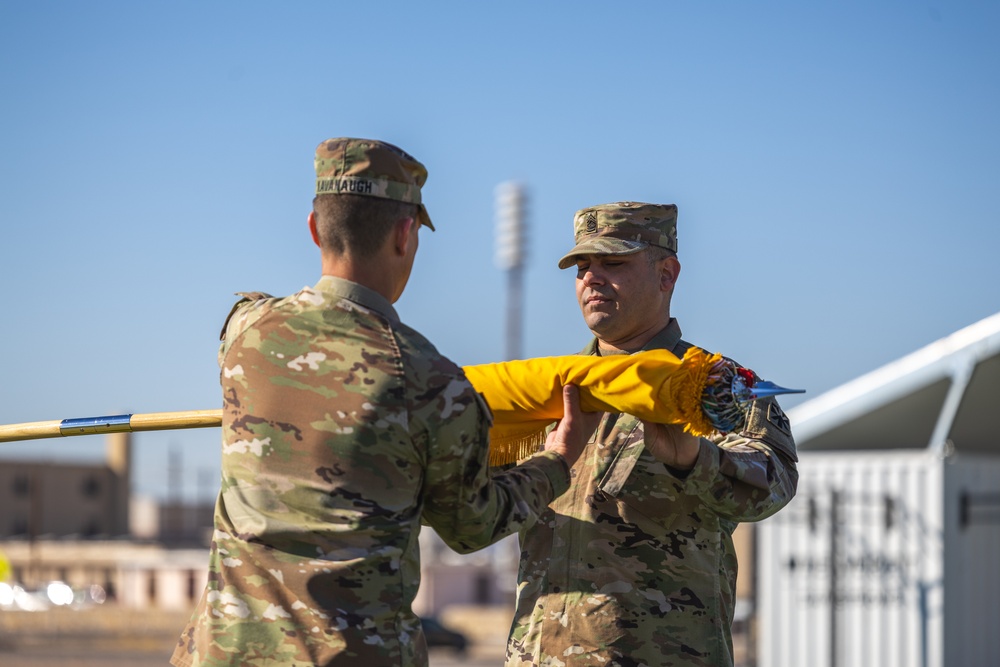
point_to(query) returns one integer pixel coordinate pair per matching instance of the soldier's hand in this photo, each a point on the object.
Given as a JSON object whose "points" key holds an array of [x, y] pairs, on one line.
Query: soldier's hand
{"points": [[669, 444], [573, 430]]}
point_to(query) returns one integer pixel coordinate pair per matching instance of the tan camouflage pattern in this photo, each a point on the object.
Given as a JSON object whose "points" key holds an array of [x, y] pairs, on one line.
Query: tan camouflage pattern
{"points": [[343, 430], [371, 168], [635, 565], [622, 228]]}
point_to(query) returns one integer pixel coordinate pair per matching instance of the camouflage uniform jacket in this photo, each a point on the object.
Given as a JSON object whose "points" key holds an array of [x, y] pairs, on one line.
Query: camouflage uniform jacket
{"points": [[635, 565], [343, 430]]}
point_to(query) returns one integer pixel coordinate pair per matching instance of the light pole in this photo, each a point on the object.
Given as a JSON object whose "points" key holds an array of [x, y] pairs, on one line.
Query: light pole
{"points": [[511, 249]]}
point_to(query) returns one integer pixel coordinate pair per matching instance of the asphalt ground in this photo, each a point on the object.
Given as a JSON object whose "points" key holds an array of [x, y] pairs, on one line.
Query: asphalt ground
{"points": [[138, 638]]}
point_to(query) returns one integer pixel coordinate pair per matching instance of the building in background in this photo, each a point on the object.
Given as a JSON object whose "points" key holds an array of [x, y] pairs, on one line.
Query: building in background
{"points": [[78, 523], [68, 499], [887, 555]]}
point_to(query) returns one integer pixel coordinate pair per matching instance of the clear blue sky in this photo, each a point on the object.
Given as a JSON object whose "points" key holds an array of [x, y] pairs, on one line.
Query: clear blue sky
{"points": [[836, 166]]}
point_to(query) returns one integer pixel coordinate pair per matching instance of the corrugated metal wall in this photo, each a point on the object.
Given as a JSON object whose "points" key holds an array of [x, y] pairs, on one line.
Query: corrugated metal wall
{"points": [[851, 572]]}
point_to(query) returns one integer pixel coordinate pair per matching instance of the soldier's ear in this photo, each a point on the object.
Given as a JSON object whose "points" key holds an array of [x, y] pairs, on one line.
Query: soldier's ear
{"points": [[312, 228], [404, 229], [670, 269]]}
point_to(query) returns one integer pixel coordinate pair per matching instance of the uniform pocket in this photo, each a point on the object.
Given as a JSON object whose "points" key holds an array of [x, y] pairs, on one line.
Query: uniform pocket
{"points": [[594, 621]]}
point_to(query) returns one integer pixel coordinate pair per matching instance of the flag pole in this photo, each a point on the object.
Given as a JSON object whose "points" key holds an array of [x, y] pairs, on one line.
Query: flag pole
{"points": [[150, 421]]}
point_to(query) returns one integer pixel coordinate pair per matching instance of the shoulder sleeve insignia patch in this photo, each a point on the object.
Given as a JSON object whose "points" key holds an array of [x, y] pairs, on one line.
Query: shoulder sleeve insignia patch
{"points": [[776, 417]]}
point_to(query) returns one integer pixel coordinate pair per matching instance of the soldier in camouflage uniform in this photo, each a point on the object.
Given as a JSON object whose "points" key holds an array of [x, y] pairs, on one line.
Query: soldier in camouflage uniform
{"points": [[635, 565], [343, 430]]}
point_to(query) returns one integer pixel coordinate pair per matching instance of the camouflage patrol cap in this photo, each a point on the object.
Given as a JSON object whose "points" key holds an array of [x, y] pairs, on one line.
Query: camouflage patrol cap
{"points": [[622, 228], [372, 168]]}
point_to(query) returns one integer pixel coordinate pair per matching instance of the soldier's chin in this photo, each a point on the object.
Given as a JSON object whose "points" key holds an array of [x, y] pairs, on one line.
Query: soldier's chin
{"points": [[600, 324]]}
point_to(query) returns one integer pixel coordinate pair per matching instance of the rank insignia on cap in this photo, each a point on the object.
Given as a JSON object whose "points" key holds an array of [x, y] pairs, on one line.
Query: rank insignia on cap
{"points": [[777, 418], [591, 223]]}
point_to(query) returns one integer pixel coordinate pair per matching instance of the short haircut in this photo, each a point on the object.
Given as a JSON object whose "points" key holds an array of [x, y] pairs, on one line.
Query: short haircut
{"points": [[657, 253], [357, 223]]}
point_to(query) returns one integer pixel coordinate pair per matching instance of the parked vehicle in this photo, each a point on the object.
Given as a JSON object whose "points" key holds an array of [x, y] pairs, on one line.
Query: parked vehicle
{"points": [[51, 594], [438, 635]]}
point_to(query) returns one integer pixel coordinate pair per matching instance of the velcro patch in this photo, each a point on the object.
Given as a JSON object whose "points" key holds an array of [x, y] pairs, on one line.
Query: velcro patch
{"points": [[777, 418], [247, 297]]}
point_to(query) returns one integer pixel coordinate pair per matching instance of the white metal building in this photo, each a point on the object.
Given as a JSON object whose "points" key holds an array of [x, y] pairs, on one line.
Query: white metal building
{"points": [[890, 552]]}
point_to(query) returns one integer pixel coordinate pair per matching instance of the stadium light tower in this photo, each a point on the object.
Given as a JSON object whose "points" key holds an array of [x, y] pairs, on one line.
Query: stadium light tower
{"points": [[511, 248]]}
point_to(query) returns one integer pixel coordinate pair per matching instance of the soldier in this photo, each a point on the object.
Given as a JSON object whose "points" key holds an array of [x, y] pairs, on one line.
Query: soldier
{"points": [[636, 565], [343, 430]]}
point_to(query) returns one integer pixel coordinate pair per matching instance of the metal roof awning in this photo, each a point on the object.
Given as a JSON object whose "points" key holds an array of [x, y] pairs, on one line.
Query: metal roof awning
{"points": [[944, 395]]}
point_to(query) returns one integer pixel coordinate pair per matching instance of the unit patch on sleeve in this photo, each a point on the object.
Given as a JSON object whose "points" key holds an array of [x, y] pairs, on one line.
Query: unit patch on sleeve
{"points": [[776, 417]]}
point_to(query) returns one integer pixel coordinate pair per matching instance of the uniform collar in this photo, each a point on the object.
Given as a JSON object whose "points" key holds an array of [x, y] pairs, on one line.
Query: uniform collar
{"points": [[666, 339], [358, 293]]}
